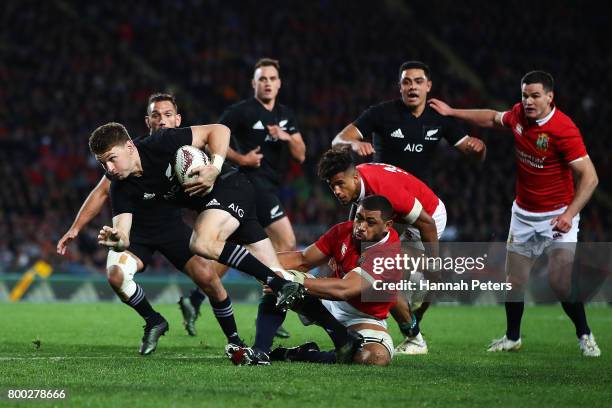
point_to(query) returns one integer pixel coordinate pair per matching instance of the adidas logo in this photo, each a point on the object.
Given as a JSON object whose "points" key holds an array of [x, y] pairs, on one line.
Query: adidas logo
{"points": [[258, 125], [213, 202], [397, 133]]}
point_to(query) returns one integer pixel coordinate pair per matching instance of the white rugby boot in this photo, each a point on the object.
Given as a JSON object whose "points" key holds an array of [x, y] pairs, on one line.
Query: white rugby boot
{"points": [[588, 346], [504, 344], [412, 346]]}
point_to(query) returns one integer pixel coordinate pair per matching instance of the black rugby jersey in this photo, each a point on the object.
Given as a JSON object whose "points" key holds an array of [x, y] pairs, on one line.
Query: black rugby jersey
{"points": [[248, 121], [157, 188], [403, 140]]}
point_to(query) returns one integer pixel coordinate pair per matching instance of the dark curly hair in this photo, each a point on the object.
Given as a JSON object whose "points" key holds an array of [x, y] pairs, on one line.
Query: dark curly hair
{"points": [[336, 160]]}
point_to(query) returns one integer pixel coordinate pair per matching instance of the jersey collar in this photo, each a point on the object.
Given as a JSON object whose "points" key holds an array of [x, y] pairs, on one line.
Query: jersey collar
{"points": [[381, 242], [544, 120], [362, 192]]}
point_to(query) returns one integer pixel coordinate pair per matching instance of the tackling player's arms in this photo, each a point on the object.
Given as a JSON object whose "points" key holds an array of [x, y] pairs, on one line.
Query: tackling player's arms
{"points": [[325, 288], [117, 238], [305, 260]]}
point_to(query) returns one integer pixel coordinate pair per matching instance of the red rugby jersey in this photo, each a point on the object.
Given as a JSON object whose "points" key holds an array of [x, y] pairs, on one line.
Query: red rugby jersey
{"points": [[398, 186], [543, 151], [339, 244]]}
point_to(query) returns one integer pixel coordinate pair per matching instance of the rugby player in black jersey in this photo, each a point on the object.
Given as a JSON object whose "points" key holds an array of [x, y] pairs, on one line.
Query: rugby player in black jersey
{"points": [[264, 137], [158, 227], [142, 173]]}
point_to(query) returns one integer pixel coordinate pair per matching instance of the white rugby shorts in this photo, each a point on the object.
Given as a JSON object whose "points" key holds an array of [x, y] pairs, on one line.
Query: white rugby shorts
{"points": [[531, 232]]}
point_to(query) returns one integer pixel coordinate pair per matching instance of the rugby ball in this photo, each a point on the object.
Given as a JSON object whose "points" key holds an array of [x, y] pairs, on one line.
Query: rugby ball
{"points": [[187, 158]]}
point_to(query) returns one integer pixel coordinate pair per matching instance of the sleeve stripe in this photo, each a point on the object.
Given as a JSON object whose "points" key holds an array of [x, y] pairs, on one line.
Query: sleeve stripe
{"points": [[461, 140], [499, 117], [363, 274], [579, 159], [415, 212]]}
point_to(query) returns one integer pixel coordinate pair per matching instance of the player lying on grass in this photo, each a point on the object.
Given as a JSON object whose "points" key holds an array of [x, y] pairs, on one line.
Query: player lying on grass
{"points": [[349, 295], [142, 173]]}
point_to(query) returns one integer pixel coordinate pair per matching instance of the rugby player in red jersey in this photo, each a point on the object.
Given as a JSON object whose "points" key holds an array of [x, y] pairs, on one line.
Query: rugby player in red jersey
{"points": [[550, 153], [413, 202], [354, 246]]}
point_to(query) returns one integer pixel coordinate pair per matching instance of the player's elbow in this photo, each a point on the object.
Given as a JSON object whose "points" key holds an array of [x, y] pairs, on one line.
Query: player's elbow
{"points": [[300, 158]]}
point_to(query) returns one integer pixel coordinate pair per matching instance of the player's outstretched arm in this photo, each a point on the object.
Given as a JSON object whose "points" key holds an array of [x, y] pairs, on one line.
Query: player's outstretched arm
{"points": [[91, 207], [351, 135], [117, 237], [305, 260], [479, 117], [334, 288], [586, 182]]}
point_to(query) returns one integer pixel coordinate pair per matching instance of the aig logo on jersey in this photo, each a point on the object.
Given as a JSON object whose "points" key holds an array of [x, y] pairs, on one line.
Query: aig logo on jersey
{"points": [[234, 207], [413, 147]]}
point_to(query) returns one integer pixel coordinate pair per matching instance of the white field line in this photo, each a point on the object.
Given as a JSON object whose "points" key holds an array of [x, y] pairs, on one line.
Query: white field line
{"points": [[59, 358]]}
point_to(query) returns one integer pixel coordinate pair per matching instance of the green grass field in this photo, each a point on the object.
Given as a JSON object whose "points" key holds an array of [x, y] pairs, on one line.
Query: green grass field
{"points": [[90, 350]]}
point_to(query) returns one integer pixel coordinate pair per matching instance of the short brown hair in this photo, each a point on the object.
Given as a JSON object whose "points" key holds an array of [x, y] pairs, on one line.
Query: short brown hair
{"points": [[267, 62], [160, 97], [108, 136]]}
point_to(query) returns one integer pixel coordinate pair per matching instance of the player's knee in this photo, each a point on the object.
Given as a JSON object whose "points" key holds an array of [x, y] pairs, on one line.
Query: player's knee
{"points": [[114, 274], [518, 282], [120, 269], [206, 247], [372, 354], [561, 284]]}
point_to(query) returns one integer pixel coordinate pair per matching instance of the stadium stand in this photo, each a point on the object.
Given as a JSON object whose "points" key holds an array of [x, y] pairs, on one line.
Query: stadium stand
{"points": [[67, 67]]}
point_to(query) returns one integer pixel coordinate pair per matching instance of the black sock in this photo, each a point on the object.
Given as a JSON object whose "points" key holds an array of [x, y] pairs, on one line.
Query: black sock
{"points": [[314, 310], [238, 257], [314, 356], [575, 311], [421, 311], [514, 314], [225, 316], [269, 319], [138, 301], [197, 297]]}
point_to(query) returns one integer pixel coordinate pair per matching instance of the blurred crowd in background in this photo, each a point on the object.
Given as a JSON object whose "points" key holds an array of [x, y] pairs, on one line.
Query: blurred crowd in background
{"points": [[67, 67]]}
